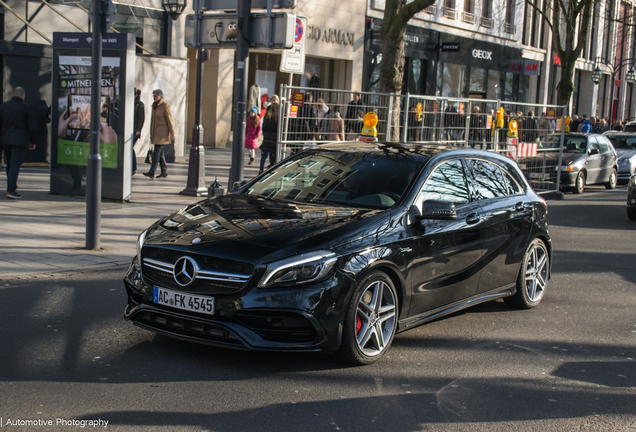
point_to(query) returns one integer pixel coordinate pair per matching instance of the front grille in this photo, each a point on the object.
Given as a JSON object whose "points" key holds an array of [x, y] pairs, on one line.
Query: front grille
{"points": [[157, 266], [206, 262], [187, 327], [286, 327], [199, 286]]}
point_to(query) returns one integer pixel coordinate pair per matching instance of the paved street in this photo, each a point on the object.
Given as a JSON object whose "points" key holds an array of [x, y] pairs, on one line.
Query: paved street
{"points": [[67, 353]]}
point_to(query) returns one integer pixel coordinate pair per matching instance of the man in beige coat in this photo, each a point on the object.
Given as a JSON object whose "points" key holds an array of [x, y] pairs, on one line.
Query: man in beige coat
{"points": [[161, 133]]}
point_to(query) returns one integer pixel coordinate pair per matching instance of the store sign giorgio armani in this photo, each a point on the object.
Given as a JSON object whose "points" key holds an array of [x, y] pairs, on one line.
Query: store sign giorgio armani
{"points": [[329, 35]]}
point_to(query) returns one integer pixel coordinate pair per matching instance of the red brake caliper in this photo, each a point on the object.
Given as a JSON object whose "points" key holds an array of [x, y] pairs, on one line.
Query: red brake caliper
{"points": [[358, 324]]}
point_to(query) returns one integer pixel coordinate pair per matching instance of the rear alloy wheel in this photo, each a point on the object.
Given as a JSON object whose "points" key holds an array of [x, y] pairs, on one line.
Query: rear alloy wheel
{"points": [[631, 213], [533, 277], [613, 179], [579, 187], [370, 321]]}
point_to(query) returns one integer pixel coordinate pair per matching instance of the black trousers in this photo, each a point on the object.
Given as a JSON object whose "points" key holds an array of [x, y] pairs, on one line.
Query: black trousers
{"points": [[158, 158], [13, 157]]}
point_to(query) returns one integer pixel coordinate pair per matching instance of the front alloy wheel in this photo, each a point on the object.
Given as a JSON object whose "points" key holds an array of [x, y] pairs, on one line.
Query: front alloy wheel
{"points": [[371, 320], [533, 277]]}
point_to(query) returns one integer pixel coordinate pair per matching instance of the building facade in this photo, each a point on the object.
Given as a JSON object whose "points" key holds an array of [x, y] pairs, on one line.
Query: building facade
{"points": [[483, 49]]}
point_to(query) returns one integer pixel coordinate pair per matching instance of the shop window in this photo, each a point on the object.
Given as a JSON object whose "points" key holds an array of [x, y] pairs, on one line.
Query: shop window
{"points": [[415, 76], [478, 80], [452, 80]]}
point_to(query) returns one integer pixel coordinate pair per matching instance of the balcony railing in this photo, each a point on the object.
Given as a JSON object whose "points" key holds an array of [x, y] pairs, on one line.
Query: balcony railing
{"points": [[469, 17], [510, 28], [487, 22], [450, 13], [432, 9]]}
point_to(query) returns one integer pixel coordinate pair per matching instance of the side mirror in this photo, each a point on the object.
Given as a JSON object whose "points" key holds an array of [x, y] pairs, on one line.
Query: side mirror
{"points": [[238, 185], [434, 210], [438, 210], [593, 152]]}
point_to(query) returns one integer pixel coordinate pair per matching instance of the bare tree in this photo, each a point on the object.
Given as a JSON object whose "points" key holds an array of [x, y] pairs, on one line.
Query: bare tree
{"points": [[397, 14], [569, 21]]}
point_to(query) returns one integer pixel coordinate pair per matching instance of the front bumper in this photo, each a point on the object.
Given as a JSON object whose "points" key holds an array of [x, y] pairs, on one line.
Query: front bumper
{"points": [[308, 318]]}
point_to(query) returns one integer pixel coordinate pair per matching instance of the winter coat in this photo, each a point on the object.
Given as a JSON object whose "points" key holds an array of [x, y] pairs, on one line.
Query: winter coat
{"points": [[270, 135], [139, 117], [161, 125], [252, 133], [587, 127], [17, 124], [335, 127]]}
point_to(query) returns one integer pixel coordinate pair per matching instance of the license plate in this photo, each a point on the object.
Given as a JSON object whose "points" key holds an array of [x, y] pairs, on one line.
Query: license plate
{"points": [[536, 175], [184, 301]]}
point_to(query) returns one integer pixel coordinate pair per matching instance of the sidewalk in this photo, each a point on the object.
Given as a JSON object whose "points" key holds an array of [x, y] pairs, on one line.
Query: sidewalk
{"points": [[43, 235]]}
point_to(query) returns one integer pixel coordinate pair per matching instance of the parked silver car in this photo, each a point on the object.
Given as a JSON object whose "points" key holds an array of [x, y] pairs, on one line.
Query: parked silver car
{"points": [[625, 146]]}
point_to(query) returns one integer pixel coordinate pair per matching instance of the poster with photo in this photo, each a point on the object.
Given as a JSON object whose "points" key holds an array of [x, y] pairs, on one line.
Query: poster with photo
{"points": [[74, 104]]}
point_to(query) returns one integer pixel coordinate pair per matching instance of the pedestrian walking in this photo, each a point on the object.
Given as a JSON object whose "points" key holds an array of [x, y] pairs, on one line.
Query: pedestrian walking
{"points": [[252, 132], [139, 120], [161, 133], [352, 112], [335, 125], [270, 132], [476, 125], [18, 133]]}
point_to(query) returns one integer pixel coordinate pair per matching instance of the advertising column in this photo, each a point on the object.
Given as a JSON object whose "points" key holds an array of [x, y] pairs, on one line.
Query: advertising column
{"points": [[71, 114]]}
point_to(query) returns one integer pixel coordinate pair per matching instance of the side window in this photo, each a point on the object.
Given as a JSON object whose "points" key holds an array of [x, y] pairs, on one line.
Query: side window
{"points": [[488, 180], [593, 144], [602, 141], [513, 186], [447, 183]]}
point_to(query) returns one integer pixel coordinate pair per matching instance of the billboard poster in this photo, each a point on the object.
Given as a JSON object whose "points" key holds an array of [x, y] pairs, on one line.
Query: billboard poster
{"points": [[74, 106]]}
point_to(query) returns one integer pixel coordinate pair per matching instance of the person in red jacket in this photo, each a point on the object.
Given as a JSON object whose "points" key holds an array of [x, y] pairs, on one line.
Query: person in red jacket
{"points": [[252, 132]]}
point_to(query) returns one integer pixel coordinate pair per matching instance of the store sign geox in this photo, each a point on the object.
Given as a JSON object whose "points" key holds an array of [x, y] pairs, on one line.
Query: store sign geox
{"points": [[485, 55]]}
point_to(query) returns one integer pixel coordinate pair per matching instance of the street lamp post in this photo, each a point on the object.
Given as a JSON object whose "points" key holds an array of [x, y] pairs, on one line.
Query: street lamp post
{"points": [[630, 78]]}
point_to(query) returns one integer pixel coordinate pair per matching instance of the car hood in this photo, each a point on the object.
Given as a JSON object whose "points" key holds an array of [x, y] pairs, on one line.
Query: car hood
{"points": [[249, 228], [625, 154]]}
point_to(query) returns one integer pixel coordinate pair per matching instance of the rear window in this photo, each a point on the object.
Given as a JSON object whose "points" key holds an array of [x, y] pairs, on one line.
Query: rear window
{"points": [[623, 143], [571, 144], [630, 127]]}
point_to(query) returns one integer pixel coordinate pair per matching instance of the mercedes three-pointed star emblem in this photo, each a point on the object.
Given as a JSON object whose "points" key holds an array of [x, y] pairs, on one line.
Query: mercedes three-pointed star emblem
{"points": [[185, 271]]}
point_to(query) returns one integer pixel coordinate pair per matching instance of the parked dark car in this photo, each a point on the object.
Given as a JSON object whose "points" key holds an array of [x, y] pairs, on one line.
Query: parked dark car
{"points": [[339, 247], [630, 126], [588, 159], [631, 198], [625, 145]]}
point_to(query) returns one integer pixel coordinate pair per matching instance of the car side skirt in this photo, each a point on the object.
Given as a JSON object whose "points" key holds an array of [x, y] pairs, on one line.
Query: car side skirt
{"points": [[414, 321]]}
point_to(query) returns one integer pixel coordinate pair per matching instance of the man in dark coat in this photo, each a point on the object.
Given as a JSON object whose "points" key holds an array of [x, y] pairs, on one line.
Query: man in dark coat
{"points": [[139, 119], [18, 132], [352, 111]]}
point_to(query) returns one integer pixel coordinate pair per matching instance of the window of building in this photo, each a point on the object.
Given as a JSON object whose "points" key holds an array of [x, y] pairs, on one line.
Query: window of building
{"points": [[451, 80]]}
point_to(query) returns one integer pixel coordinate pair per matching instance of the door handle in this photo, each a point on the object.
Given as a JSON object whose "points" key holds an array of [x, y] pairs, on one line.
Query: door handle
{"points": [[472, 218]]}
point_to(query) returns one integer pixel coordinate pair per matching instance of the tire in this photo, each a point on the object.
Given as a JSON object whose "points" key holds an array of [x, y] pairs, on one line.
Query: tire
{"points": [[613, 179], [579, 186], [367, 318], [533, 277], [631, 213]]}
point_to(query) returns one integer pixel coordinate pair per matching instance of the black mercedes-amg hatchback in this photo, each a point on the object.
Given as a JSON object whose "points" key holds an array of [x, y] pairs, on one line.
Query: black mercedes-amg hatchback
{"points": [[339, 247]]}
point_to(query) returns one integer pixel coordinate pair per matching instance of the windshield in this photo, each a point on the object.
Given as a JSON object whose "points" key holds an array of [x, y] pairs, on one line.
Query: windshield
{"points": [[571, 144], [623, 142], [357, 179]]}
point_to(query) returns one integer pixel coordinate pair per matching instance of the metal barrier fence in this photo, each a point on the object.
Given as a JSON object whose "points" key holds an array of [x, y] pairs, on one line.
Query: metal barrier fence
{"points": [[311, 116]]}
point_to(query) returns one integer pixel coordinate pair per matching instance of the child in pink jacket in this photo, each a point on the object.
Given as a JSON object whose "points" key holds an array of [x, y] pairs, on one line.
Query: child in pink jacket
{"points": [[252, 132]]}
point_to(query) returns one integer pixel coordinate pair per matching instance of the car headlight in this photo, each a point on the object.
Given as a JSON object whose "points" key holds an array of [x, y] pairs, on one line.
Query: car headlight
{"points": [[568, 168], [140, 243], [308, 267]]}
